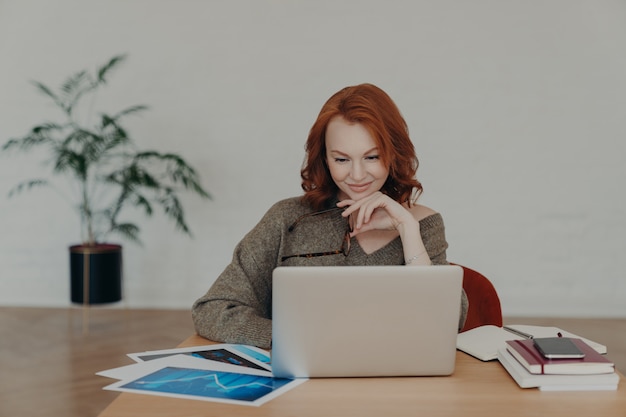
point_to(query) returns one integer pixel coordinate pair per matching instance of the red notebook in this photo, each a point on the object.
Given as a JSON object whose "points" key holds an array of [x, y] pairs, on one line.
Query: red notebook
{"points": [[526, 353]]}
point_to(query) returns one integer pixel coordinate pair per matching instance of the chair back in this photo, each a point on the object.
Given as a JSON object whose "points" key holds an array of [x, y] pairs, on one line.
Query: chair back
{"points": [[484, 303]]}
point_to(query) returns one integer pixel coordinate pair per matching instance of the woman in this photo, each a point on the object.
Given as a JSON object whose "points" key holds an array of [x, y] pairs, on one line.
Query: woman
{"points": [[358, 208]]}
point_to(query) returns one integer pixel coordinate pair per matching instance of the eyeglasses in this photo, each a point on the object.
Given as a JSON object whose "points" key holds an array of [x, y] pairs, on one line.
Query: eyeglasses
{"points": [[345, 246]]}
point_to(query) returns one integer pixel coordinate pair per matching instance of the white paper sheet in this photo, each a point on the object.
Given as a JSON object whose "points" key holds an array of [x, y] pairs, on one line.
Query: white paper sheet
{"points": [[227, 373]]}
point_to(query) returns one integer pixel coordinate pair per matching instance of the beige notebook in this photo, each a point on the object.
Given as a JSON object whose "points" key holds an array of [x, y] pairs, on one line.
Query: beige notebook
{"points": [[483, 342]]}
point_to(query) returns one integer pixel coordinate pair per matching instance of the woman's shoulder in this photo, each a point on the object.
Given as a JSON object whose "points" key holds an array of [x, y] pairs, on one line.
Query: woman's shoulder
{"points": [[430, 220], [290, 205], [287, 208], [279, 214], [421, 212]]}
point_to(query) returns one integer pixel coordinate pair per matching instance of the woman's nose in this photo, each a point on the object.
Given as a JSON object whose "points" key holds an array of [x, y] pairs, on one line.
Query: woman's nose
{"points": [[357, 172]]}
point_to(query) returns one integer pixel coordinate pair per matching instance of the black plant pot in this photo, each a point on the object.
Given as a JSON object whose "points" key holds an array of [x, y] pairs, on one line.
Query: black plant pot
{"points": [[96, 273]]}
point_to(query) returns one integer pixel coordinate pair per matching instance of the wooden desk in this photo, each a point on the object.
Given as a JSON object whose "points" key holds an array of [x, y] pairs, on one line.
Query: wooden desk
{"points": [[475, 389]]}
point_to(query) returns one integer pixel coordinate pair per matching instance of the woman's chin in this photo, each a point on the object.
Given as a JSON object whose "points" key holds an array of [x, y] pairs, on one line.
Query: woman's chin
{"points": [[359, 196]]}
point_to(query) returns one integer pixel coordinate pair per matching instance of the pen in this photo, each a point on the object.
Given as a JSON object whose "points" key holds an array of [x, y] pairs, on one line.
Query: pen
{"points": [[519, 333]]}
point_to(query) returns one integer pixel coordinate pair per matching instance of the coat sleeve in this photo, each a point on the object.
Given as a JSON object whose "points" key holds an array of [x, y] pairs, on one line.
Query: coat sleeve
{"points": [[433, 236], [237, 307]]}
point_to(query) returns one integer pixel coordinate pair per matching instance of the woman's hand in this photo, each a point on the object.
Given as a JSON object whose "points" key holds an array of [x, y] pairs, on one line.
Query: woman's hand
{"points": [[377, 212], [380, 212]]}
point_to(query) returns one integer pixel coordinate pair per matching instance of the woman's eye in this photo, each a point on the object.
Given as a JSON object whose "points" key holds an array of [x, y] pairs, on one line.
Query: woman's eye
{"points": [[341, 160], [372, 158]]}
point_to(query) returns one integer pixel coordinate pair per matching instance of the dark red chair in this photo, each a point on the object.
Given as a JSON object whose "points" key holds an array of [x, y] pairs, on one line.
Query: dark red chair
{"points": [[484, 303]]}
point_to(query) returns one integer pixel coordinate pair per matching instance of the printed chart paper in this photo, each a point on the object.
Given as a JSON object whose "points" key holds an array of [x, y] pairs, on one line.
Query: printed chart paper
{"points": [[208, 385], [227, 373]]}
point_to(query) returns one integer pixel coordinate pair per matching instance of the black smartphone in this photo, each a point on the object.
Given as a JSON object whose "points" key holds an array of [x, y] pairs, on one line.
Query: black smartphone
{"points": [[558, 348]]}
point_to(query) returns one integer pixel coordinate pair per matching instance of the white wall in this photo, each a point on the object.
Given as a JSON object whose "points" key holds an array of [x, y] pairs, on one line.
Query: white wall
{"points": [[516, 109]]}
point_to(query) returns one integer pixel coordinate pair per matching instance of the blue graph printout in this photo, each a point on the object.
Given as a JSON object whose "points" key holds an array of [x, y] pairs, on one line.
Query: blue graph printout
{"points": [[253, 353], [206, 384]]}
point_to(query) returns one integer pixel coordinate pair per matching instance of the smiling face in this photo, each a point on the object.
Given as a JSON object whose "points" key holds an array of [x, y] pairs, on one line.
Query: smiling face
{"points": [[353, 159]]}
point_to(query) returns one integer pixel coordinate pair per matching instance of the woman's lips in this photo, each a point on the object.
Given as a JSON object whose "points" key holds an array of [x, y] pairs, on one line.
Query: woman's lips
{"points": [[359, 188]]}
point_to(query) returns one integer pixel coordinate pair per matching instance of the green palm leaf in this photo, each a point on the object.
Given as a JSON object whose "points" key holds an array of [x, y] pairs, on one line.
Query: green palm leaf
{"points": [[107, 172]]}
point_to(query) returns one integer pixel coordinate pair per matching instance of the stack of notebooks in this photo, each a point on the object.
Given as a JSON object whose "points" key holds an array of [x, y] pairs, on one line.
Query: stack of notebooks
{"points": [[514, 347]]}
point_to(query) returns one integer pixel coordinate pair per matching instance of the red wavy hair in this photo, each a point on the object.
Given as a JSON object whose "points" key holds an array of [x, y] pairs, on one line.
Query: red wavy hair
{"points": [[373, 108]]}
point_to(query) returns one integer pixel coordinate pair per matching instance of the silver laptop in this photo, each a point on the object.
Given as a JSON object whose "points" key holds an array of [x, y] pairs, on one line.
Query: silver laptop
{"points": [[361, 321]]}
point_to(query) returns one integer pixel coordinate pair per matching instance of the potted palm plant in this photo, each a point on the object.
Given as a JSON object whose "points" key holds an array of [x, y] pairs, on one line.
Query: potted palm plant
{"points": [[108, 174]]}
